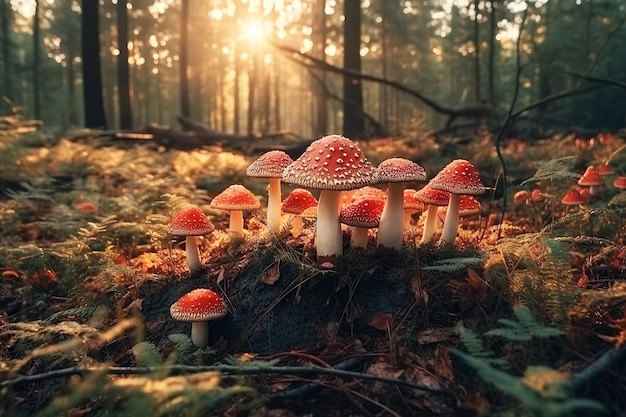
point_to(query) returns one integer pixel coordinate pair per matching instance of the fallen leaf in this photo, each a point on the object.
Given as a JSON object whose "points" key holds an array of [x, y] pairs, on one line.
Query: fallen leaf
{"points": [[271, 274], [442, 363], [381, 321], [429, 336]]}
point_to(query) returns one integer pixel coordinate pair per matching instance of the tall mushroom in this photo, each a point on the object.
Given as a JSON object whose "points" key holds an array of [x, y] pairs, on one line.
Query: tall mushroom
{"points": [[271, 165], [434, 199], [331, 164], [459, 177], [199, 306], [396, 173], [190, 221], [235, 199]]}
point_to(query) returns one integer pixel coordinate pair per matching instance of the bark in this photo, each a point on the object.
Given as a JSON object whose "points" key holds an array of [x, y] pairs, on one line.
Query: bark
{"points": [[353, 122], [321, 109], [477, 92], [92, 74], [6, 20], [492, 53], [123, 70], [37, 61], [184, 58]]}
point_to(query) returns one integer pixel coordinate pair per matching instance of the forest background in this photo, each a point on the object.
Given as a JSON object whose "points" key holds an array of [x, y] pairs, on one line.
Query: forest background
{"points": [[219, 62]]}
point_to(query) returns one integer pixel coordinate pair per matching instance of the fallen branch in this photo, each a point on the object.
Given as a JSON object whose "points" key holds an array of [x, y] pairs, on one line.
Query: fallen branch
{"points": [[223, 369]]}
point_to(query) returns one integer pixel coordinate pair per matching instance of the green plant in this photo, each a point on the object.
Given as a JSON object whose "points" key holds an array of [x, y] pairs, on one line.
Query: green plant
{"points": [[524, 328]]}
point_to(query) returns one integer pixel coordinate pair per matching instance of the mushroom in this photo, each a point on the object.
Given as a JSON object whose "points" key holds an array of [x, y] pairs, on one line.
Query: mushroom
{"points": [[468, 206], [190, 221], [295, 203], [604, 170], [591, 179], [572, 198], [434, 199], [331, 164], [199, 306], [271, 165], [521, 197], [395, 172], [236, 199], [458, 177], [620, 183], [411, 205], [362, 215]]}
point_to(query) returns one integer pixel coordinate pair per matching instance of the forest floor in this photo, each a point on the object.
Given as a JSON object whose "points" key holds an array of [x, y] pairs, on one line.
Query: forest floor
{"points": [[524, 315]]}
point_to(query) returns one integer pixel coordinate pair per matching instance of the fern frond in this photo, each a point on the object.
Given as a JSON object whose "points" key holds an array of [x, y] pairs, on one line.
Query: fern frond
{"points": [[182, 344], [476, 347], [554, 169], [525, 328], [146, 354]]}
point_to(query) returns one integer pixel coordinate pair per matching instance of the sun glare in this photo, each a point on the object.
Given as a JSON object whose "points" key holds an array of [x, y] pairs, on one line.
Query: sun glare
{"points": [[253, 31]]}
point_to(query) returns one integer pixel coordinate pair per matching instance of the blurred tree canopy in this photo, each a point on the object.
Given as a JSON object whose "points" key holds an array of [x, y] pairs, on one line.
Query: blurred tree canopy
{"points": [[455, 52]]}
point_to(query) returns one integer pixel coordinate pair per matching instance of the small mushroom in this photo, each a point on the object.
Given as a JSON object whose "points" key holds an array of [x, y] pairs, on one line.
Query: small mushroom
{"points": [[199, 306], [295, 203], [362, 214], [591, 179], [411, 205], [620, 183], [271, 165], [434, 199], [235, 199], [190, 221], [458, 178]]}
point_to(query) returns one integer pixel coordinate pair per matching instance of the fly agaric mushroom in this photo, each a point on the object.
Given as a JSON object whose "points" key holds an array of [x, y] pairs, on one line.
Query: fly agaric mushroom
{"points": [[362, 214], [521, 197], [458, 178], [295, 203], [235, 199], [411, 205], [190, 221], [604, 170], [271, 165], [434, 199], [591, 179], [620, 183], [331, 164], [199, 306], [572, 198], [468, 206], [367, 191], [395, 172]]}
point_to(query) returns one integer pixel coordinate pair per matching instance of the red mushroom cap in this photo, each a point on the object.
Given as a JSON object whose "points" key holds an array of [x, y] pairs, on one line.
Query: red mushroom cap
{"points": [[364, 212], [590, 178], [189, 221], [410, 202], [620, 183], [536, 195], [573, 197], [200, 304], [429, 195], [521, 196], [297, 201], [331, 163], [458, 177], [269, 165], [400, 170], [604, 169], [236, 197], [86, 207]]}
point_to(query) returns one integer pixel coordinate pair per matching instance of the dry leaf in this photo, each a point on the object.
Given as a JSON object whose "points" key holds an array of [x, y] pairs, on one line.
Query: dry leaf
{"points": [[381, 321], [442, 363], [271, 274]]}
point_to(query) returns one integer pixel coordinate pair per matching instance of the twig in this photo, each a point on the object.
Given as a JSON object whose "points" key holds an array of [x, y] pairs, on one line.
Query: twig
{"points": [[224, 369], [598, 79], [609, 361], [509, 117]]}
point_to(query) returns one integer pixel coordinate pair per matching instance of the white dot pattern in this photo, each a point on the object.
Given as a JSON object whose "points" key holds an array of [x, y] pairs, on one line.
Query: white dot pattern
{"points": [[200, 304]]}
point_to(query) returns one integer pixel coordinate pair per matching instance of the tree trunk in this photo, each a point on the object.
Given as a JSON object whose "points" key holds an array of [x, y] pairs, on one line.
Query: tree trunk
{"points": [[353, 122], [185, 109], [37, 61], [319, 85], [253, 69], [477, 92], [493, 29], [92, 74], [236, 98], [6, 17], [70, 80], [123, 71]]}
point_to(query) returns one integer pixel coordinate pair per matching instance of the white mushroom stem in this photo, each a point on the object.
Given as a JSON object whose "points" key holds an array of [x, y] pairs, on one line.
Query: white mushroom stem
{"points": [[200, 333], [236, 221], [296, 225], [594, 190], [328, 237], [193, 257], [390, 227], [451, 223], [358, 237], [273, 205], [430, 224]]}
